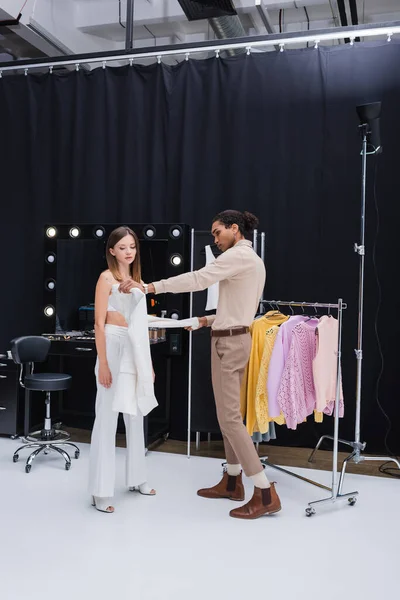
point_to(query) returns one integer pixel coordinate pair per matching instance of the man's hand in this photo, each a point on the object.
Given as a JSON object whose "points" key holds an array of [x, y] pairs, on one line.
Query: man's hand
{"points": [[127, 285], [202, 323]]}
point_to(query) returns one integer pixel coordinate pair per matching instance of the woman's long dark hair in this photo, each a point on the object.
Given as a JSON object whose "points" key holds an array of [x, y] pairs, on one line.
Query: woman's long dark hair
{"points": [[115, 236]]}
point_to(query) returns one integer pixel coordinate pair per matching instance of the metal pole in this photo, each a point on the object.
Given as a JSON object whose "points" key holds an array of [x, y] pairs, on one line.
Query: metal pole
{"points": [[130, 15], [263, 246], [255, 240], [263, 259], [337, 402], [190, 349], [361, 251]]}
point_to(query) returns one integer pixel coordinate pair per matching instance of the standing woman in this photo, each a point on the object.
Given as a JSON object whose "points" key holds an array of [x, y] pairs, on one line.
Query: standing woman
{"points": [[111, 332]]}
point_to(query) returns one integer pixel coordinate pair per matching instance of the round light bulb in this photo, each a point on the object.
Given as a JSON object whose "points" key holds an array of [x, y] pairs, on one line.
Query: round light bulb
{"points": [[51, 232], [176, 260], [175, 232], [74, 232]]}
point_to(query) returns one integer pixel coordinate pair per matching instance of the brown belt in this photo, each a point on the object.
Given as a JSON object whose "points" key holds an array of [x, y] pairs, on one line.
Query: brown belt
{"points": [[229, 332]]}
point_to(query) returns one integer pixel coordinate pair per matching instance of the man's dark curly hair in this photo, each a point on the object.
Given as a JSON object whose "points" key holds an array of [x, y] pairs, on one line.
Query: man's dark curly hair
{"points": [[245, 221]]}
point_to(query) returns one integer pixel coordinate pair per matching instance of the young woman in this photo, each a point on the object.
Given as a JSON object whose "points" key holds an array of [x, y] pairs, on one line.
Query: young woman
{"points": [[123, 259]]}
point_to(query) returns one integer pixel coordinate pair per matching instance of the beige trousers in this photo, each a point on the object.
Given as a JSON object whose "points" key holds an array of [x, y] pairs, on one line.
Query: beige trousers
{"points": [[229, 357]]}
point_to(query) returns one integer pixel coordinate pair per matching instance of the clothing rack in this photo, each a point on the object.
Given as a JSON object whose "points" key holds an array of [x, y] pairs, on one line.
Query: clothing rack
{"points": [[335, 490]]}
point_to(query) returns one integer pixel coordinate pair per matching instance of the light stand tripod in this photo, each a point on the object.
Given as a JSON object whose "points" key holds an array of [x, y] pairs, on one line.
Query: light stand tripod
{"points": [[369, 118]]}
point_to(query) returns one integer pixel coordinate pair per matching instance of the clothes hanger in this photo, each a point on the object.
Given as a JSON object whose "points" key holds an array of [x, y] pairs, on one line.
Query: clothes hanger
{"points": [[316, 316], [271, 306], [274, 309]]}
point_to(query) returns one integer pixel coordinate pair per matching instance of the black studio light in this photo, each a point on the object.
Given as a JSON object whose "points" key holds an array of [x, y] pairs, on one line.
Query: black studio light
{"points": [[370, 119]]}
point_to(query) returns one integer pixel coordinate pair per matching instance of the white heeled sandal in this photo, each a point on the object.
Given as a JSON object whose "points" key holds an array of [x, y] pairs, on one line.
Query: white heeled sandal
{"points": [[144, 489], [102, 504]]}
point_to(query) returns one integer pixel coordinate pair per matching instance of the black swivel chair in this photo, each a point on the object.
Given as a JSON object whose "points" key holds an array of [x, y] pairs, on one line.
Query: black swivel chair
{"points": [[25, 352]]}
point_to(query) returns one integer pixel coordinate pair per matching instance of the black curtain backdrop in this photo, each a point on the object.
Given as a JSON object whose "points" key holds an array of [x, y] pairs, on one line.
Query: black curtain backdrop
{"points": [[275, 133]]}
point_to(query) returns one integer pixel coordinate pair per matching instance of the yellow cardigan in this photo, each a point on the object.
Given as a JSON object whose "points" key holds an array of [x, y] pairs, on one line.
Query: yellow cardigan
{"points": [[258, 331], [261, 399]]}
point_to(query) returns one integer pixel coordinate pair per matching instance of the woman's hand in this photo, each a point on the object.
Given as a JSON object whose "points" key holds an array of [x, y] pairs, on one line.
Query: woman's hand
{"points": [[127, 285], [105, 377], [202, 323]]}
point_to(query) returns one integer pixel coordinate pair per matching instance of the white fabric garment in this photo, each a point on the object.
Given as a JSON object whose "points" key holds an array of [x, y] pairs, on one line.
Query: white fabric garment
{"points": [[163, 323], [102, 449], [213, 290], [134, 388]]}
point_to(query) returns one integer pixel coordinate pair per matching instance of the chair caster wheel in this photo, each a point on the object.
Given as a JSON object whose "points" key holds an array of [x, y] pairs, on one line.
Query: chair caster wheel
{"points": [[67, 466], [28, 468], [310, 512], [77, 454], [15, 457], [352, 501]]}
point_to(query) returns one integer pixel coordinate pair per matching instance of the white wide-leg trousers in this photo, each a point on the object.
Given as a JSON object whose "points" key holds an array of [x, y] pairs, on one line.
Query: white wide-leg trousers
{"points": [[102, 449]]}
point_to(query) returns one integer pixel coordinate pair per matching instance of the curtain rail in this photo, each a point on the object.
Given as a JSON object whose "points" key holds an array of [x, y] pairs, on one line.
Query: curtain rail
{"points": [[249, 43]]}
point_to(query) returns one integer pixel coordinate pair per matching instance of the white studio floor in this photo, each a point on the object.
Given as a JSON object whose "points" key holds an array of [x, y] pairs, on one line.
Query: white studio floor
{"points": [[176, 545]]}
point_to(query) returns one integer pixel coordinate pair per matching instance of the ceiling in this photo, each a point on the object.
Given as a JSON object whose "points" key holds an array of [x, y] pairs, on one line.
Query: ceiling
{"points": [[56, 27]]}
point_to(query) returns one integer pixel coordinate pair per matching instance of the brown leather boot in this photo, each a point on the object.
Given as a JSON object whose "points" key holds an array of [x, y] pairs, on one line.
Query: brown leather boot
{"points": [[263, 502], [230, 486]]}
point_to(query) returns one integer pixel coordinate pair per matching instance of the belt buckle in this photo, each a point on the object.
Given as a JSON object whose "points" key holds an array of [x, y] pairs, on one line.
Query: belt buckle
{"points": [[230, 332]]}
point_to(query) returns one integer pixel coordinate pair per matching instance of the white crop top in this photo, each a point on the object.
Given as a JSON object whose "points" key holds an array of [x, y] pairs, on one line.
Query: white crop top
{"points": [[109, 307]]}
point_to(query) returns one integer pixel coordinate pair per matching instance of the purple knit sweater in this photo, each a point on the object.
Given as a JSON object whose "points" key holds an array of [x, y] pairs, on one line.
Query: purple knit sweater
{"points": [[296, 394]]}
